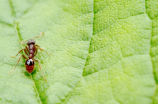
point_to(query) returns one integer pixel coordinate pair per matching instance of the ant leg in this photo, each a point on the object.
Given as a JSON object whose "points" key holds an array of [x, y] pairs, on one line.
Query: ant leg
{"points": [[35, 51], [18, 62], [24, 57], [26, 50], [40, 68], [42, 49], [18, 53]]}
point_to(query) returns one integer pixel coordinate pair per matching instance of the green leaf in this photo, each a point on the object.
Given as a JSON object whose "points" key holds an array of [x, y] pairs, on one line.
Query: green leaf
{"points": [[102, 51]]}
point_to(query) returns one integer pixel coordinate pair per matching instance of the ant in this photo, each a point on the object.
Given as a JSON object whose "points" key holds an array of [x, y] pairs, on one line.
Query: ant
{"points": [[30, 50]]}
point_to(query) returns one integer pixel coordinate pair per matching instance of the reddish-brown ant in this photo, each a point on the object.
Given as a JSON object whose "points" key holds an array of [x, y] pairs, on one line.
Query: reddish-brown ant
{"points": [[30, 51]]}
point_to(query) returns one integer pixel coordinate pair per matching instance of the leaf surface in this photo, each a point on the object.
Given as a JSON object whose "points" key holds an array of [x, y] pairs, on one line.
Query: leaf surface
{"points": [[102, 51]]}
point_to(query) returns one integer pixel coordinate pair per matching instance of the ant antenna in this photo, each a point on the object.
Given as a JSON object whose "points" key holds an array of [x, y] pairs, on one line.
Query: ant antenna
{"points": [[41, 34]]}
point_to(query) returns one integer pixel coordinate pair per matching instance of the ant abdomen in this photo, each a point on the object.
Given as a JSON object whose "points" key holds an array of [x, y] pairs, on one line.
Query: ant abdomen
{"points": [[29, 64]]}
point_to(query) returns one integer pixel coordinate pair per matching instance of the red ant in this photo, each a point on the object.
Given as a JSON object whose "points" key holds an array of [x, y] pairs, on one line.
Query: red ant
{"points": [[30, 51]]}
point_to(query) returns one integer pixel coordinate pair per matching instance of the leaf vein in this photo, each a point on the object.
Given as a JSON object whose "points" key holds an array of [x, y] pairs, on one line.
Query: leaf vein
{"points": [[70, 94]]}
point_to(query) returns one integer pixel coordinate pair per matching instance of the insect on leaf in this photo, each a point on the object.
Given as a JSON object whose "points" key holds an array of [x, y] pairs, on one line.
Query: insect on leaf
{"points": [[101, 51]]}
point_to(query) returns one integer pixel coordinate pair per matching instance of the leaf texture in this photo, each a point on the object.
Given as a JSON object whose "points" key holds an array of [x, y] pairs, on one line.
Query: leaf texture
{"points": [[102, 51]]}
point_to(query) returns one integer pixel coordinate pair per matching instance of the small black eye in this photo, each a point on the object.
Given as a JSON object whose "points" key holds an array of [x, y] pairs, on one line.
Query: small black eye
{"points": [[29, 62]]}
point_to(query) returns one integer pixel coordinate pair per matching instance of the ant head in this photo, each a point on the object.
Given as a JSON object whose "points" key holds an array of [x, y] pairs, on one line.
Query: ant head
{"points": [[31, 41]]}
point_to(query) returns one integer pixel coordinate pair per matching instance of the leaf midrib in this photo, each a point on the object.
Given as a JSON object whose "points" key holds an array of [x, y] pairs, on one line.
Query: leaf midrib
{"points": [[16, 27], [69, 95], [154, 74]]}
